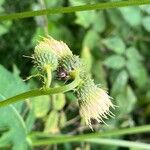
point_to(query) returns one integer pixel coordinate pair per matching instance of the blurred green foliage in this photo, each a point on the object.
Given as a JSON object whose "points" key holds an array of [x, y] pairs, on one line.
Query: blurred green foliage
{"points": [[113, 43]]}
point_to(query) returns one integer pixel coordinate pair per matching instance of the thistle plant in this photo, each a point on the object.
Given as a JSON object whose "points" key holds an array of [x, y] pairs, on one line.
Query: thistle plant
{"points": [[51, 55], [94, 102]]}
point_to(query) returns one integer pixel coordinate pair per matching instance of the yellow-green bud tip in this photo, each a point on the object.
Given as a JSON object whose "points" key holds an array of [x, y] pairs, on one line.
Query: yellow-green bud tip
{"points": [[43, 56], [59, 48]]}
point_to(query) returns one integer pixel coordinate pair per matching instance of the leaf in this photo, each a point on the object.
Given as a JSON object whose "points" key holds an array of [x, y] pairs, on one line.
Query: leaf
{"points": [[145, 8], [1, 2], [133, 54], [87, 57], [115, 62], [11, 85], [63, 119], [91, 39], [53, 3], [115, 17], [120, 83], [99, 23], [51, 125], [85, 18], [59, 101], [4, 27], [99, 73], [137, 72], [126, 101], [132, 15], [30, 119], [16, 131], [1, 5], [41, 105], [115, 44], [146, 23]]}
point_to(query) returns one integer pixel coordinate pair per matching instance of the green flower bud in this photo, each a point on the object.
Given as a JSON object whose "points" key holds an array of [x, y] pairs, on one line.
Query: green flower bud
{"points": [[44, 56], [59, 48], [71, 63], [94, 102]]}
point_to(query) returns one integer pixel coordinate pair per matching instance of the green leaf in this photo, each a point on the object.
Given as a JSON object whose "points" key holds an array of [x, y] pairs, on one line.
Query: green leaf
{"points": [[1, 5], [30, 119], [11, 85], [63, 119], [16, 131], [51, 125], [99, 23], [133, 54], [132, 15], [1, 2], [59, 101], [41, 105], [145, 8], [126, 101], [87, 57], [53, 3], [99, 73], [91, 39], [85, 18], [115, 44], [137, 72], [120, 83], [146, 23], [115, 62], [115, 17], [4, 27]]}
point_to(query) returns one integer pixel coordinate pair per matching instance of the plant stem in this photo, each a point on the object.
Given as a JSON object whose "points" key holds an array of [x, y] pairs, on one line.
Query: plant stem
{"points": [[49, 76], [73, 9], [38, 92], [46, 139], [122, 143]]}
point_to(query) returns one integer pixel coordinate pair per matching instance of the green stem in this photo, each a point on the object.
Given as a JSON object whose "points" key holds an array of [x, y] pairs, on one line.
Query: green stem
{"points": [[73, 9], [38, 92], [49, 76], [122, 143], [45, 139]]}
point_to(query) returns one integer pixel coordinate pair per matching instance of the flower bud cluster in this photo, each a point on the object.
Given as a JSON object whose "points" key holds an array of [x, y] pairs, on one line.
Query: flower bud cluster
{"points": [[94, 102]]}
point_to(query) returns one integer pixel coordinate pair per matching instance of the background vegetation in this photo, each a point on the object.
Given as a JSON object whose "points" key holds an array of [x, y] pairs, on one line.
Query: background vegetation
{"points": [[114, 44]]}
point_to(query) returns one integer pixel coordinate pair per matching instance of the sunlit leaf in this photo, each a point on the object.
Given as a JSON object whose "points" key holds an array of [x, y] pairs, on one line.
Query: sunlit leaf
{"points": [[126, 100], [137, 72], [59, 101], [91, 39], [10, 85], [115, 62], [132, 15], [120, 83], [133, 54], [15, 129], [87, 57], [146, 23], [41, 105], [115, 44], [51, 124], [99, 22]]}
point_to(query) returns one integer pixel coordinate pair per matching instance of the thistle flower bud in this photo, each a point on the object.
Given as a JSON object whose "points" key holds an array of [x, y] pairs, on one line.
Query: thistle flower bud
{"points": [[59, 48], [43, 56], [71, 63], [94, 102]]}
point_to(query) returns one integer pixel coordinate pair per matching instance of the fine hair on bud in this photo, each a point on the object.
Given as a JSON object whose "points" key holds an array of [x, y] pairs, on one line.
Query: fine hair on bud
{"points": [[43, 56], [94, 102], [59, 48]]}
